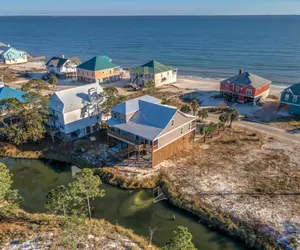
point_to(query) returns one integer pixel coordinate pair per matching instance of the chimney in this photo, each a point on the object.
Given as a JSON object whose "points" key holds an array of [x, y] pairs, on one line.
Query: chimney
{"points": [[240, 71], [63, 56]]}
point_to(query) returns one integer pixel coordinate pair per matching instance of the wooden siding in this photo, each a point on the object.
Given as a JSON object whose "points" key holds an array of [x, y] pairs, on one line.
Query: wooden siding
{"points": [[173, 148]]}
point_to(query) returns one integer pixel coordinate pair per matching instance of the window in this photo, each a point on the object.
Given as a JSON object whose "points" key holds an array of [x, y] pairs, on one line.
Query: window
{"points": [[122, 118], [172, 123], [248, 91], [110, 72], [237, 88], [181, 131], [115, 116], [226, 86], [168, 73], [189, 126], [295, 98], [287, 97], [103, 72]]}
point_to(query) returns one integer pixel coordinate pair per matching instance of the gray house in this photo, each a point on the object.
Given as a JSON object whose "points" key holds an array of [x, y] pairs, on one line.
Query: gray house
{"points": [[145, 127]]}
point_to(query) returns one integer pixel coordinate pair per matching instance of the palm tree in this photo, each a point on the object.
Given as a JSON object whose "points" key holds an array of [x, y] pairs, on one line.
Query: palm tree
{"points": [[229, 115], [234, 116], [195, 105], [203, 114], [185, 108], [209, 130]]}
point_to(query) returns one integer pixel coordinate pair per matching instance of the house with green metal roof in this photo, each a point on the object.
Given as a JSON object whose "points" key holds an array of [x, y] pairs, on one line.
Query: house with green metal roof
{"points": [[98, 69], [291, 97], [7, 93], [153, 71], [61, 66]]}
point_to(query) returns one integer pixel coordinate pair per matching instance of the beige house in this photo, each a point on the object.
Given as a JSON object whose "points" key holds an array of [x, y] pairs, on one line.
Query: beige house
{"points": [[98, 69], [153, 71], [143, 128]]}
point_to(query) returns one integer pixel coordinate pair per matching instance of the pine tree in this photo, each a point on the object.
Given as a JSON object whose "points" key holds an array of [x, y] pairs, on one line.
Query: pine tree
{"points": [[181, 240]]}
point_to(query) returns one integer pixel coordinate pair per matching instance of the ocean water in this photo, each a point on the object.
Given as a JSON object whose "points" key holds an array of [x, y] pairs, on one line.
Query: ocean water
{"points": [[200, 46]]}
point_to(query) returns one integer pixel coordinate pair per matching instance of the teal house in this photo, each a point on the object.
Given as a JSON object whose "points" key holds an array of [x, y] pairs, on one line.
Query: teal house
{"points": [[10, 55], [291, 97]]}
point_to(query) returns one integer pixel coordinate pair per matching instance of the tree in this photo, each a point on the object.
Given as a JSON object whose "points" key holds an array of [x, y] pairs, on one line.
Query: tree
{"points": [[8, 197], [181, 240], [203, 114], [53, 80], [229, 115], [27, 121], [209, 130], [35, 83], [85, 187], [195, 105], [185, 108], [111, 99], [59, 201]]}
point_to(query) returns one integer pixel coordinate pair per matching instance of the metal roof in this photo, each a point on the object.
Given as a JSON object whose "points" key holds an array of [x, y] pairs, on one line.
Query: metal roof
{"points": [[247, 78], [152, 67], [98, 63], [295, 89], [57, 61], [149, 120], [73, 99], [6, 92], [133, 105]]}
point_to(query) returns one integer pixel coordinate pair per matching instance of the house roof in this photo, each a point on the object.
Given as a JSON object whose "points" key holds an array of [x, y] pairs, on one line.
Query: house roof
{"points": [[152, 67], [57, 61], [98, 63], [295, 89], [133, 105], [149, 121], [73, 99], [248, 79], [6, 92], [3, 49]]}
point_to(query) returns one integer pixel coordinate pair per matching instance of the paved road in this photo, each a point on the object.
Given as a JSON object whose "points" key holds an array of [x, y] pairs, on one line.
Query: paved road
{"points": [[264, 128]]}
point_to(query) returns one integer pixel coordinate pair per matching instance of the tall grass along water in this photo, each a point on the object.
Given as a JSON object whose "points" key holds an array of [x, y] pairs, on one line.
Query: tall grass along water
{"points": [[200, 46]]}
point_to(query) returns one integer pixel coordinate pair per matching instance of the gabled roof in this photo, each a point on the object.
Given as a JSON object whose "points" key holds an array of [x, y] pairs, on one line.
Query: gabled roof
{"points": [[6, 92], [295, 89], [98, 63], [57, 61], [248, 79], [3, 49], [133, 105], [152, 67], [73, 99], [149, 121]]}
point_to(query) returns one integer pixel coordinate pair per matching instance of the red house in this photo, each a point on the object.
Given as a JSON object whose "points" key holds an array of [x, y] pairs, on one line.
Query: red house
{"points": [[245, 87]]}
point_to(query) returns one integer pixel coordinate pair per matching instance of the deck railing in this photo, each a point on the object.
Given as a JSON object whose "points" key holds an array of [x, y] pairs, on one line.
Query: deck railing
{"points": [[121, 136]]}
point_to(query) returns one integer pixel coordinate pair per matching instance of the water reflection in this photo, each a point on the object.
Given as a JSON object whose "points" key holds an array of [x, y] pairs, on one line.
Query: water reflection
{"points": [[134, 210]]}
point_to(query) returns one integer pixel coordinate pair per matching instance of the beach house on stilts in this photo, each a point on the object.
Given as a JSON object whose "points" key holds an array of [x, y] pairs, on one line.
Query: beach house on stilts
{"points": [[153, 71], [245, 87], [143, 129]]}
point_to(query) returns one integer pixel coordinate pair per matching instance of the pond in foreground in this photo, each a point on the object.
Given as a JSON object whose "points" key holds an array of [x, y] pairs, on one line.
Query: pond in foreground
{"points": [[133, 210]]}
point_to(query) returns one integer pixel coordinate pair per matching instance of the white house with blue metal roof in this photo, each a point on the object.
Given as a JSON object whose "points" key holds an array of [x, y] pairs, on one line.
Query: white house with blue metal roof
{"points": [[149, 130], [10, 55], [75, 112]]}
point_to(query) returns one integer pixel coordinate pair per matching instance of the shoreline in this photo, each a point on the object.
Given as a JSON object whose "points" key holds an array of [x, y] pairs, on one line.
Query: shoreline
{"points": [[209, 216]]}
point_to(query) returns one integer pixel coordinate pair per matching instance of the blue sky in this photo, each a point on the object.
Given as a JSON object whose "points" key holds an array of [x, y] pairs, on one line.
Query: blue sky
{"points": [[148, 7]]}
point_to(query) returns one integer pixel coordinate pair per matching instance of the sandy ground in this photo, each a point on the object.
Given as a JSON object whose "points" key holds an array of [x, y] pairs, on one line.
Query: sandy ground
{"points": [[246, 175]]}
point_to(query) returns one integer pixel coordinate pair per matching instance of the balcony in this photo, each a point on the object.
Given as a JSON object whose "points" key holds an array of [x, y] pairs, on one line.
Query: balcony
{"points": [[121, 136]]}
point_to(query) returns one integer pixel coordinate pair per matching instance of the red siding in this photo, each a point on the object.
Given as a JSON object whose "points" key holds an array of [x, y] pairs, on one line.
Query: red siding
{"points": [[222, 86], [262, 89], [244, 91]]}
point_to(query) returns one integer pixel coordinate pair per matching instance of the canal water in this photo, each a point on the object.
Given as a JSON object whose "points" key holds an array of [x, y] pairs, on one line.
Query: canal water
{"points": [[134, 210]]}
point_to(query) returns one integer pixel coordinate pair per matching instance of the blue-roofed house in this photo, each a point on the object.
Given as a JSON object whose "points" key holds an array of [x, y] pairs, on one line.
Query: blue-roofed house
{"points": [[291, 96], [6, 92], [10, 55], [145, 129]]}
